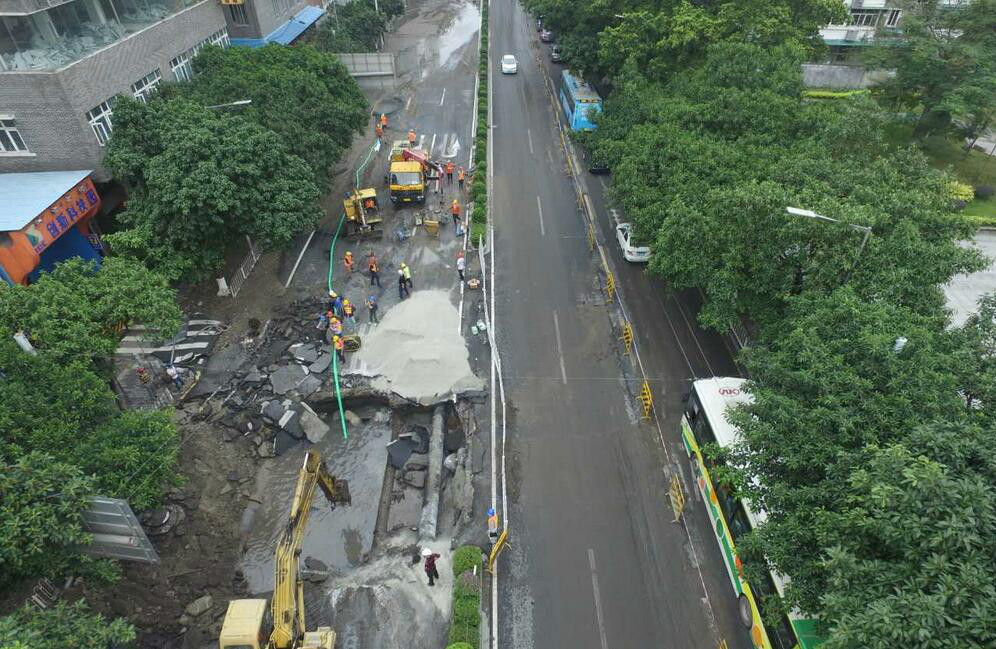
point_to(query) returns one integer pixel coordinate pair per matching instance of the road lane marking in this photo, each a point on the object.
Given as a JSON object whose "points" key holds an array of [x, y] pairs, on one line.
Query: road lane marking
{"points": [[605, 185], [598, 599], [433, 145], [443, 98], [409, 102], [539, 208], [560, 348], [529, 134], [550, 156]]}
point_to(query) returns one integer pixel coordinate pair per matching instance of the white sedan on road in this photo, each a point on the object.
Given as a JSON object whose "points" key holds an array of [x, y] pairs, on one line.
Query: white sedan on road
{"points": [[631, 252], [509, 65]]}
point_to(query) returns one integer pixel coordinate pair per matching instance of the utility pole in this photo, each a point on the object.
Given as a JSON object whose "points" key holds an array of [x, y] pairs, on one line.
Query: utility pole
{"points": [[795, 211]]}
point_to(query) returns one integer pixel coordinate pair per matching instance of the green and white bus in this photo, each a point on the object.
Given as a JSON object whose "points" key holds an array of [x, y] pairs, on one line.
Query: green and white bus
{"points": [[704, 422]]}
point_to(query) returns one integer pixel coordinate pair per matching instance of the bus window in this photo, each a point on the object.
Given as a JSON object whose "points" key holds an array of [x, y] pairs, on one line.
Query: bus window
{"points": [[739, 524], [780, 635]]}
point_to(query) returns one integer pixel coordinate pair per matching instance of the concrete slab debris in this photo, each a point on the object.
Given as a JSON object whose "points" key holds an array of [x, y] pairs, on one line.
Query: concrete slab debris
{"points": [[314, 428], [273, 410], [306, 353], [309, 386], [321, 364], [286, 378], [399, 451]]}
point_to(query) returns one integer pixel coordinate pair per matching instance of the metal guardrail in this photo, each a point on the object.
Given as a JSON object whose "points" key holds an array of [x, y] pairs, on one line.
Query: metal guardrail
{"points": [[242, 272]]}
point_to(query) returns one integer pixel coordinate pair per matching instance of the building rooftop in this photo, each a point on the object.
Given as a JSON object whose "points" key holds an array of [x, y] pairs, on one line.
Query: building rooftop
{"points": [[26, 195]]}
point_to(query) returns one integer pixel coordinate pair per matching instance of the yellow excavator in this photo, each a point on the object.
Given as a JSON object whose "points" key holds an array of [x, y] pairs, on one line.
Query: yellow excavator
{"points": [[246, 625]]}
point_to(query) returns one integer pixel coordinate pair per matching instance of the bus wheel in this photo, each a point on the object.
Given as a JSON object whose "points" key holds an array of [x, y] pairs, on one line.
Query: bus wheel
{"points": [[746, 615]]}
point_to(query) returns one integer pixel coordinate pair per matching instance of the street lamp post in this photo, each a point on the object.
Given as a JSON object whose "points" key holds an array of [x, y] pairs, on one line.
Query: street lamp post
{"points": [[240, 102], [809, 214]]}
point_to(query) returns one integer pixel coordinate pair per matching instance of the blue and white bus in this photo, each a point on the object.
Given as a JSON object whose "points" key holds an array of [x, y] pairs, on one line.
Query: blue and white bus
{"points": [[578, 99]]}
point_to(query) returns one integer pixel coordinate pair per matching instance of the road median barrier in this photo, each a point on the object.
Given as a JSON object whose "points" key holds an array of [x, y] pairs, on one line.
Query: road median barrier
{"points": [[646, 399], [677, 496], [627, 336]]}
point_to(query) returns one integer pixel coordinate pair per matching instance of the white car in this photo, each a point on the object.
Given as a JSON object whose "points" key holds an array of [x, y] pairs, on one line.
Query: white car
{"points": [[633, 253], [509, 65]]}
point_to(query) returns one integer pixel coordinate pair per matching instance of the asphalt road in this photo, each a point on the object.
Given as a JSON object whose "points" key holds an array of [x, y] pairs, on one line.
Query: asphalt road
{"points": [[595, 560]]}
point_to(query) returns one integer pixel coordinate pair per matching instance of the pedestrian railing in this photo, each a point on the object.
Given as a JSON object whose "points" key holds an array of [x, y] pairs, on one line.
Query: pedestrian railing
{"points": [[242, 272]]}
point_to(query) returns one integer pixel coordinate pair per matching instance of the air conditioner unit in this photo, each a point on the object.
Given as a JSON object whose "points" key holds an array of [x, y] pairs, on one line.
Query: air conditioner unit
{"points": [[851, 35]]}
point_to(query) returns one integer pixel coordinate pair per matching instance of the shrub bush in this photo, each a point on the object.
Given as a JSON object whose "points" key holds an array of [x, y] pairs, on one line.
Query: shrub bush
{"points": [[984, 191]]}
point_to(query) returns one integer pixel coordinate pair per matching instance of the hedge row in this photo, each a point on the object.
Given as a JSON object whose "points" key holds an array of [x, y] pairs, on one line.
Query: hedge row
{"points": [[479, 187], [465, 627]]}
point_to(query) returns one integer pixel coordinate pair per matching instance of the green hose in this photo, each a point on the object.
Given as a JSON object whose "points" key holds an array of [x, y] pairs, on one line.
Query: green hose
{"points": [[335, 357]]}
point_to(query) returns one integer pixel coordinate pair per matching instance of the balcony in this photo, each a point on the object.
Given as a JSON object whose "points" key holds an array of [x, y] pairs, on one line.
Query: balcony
{"points": [[57, 36]]}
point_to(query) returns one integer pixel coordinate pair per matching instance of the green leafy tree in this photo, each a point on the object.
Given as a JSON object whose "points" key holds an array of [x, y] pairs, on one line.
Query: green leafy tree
{"points": [[976, 354], [355, 27], [304, 95], [945, 65], [61, 408], [199, 180], [71, 312], [41, 502], [726, 146], [62, 626], [827, 382], [912, 565]]}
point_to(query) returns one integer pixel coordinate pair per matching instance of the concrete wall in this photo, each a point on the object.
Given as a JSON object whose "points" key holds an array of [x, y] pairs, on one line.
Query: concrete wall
{"points": [[244, 31], [49, 107], [841, 77]]}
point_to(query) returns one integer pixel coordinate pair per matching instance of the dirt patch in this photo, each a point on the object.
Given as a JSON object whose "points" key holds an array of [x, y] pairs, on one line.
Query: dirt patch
{"points": [[198, 558]]}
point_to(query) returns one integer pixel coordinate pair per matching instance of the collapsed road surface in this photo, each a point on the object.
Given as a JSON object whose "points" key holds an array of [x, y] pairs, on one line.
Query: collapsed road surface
{"points": [[594, 559]]}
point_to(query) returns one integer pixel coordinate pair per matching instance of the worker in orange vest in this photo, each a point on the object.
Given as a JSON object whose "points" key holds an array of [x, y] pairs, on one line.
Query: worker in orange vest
{"points": [[378, 131], [449, 172], [461, 176], [411, 137], [347, 261], [383, 121], [455, 208]]}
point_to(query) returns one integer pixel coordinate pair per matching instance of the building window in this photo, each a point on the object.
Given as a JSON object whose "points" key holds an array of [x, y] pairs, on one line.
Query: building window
{"points": [[892, 17], [220, 37], [10, 139], [182, 70], [100, 120], [144, 87], [238, 14], [281, 7], [863, 18]]}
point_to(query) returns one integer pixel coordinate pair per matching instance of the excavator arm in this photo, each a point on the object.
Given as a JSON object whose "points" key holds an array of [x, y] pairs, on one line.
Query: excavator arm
{"points": [[287, 605]]}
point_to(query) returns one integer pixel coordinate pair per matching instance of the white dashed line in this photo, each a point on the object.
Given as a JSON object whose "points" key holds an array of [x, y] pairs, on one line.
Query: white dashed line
{"points": [[598, 599], [560, 348], [529, 134], [539, 208], [443, 98]]}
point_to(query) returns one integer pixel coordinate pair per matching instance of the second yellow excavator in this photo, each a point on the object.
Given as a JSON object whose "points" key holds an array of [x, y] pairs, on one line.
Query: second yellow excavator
{"points": [[246, 625]]}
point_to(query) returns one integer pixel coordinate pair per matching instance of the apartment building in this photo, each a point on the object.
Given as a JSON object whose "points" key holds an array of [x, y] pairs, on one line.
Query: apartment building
{"points": [[63, 63], [866, 19]]}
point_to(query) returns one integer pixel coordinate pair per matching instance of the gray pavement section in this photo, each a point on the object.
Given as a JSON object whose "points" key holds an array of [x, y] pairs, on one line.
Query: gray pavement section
{"points": [[964, 291], [595, 559]]}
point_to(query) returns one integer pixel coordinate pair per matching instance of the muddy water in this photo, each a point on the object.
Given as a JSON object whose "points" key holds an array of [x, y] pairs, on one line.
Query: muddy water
{"points": [[461, 32], [338, 538]]}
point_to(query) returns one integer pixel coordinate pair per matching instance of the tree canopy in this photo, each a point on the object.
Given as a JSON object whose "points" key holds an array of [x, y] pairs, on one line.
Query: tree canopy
{"points": [[64, 625], [63, 409], [305, 96], [198, 180], [659, 37], [727, 146], [70, 313], [944, 60]]}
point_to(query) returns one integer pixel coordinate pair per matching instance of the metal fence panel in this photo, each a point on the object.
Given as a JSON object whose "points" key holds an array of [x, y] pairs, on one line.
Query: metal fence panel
{"points": [[116, 532]]}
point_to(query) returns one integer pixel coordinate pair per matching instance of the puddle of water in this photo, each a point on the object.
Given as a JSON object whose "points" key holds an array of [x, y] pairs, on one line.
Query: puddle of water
{"points": [[338, 538], [461, 31]]}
